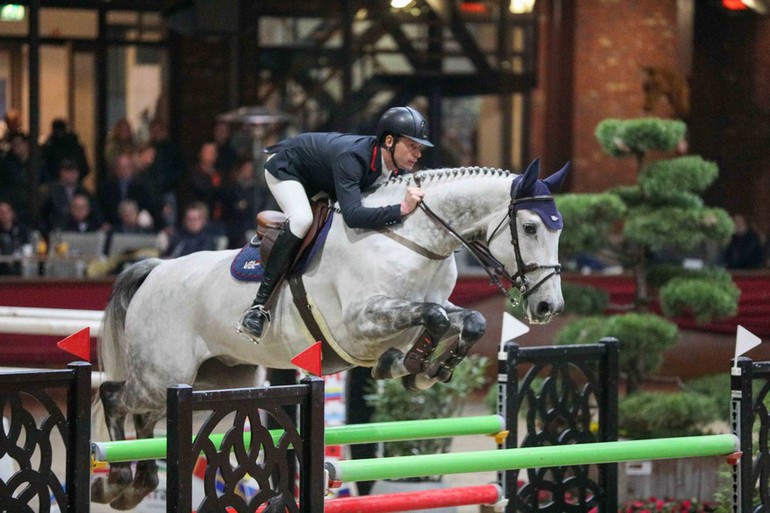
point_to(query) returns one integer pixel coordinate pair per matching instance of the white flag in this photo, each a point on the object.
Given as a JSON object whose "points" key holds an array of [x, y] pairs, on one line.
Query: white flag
{"points": [[745, 340]]}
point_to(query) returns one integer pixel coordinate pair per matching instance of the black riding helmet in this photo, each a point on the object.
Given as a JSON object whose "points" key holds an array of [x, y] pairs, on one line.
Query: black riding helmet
{"points": [[403, 121]]}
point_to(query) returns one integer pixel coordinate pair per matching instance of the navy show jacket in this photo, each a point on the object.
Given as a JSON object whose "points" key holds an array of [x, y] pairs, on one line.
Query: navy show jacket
{"points": [[341, 165]]}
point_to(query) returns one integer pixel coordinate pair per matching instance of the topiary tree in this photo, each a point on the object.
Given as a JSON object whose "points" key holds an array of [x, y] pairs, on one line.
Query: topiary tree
{"points": [[662, 212]]}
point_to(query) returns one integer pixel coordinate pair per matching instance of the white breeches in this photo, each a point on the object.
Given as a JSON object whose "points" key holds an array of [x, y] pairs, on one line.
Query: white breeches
{"points": [[293, 200]]}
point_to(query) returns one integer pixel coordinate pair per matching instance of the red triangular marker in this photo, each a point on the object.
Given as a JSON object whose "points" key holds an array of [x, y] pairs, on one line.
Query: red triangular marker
{"points": [[309, 359], [78, 343]]}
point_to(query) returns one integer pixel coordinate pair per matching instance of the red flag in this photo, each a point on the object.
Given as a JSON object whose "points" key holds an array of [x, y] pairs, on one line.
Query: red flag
{"points": [[309, 359], [79, 344]]}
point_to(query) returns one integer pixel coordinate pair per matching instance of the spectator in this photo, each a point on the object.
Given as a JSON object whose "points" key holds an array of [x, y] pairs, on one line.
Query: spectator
{"points": [[14, 175], [55, 207], [120, 141], [169, 165], [10, 125], [744, 251], [81, 217], [193, 235], [226, 153], [205, 181], [60, 145], [124, 183], [130, 219], [13, 236], [238, 203]]}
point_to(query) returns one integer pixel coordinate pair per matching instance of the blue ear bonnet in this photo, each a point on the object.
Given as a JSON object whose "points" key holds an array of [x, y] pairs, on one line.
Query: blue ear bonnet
{"points": [[527, 185], [546, 209]]}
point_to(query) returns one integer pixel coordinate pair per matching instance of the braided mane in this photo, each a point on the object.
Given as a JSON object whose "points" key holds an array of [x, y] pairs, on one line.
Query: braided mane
{"points": [[428, 175]]}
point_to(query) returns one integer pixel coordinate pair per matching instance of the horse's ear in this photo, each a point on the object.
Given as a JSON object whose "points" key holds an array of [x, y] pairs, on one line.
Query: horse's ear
{"points": [[525, 187], [556, 180]]}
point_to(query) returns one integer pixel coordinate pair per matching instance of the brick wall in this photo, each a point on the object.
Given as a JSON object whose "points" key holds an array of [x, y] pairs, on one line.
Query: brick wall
{"points": [[612, 40], [608, 41]]}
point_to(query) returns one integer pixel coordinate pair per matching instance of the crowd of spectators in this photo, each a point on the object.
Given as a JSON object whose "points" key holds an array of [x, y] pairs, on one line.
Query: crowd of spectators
{"points": [[148, 188]]}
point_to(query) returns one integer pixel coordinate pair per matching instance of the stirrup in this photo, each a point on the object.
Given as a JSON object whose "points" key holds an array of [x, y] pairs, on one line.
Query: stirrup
{"points": [[260, 312]]}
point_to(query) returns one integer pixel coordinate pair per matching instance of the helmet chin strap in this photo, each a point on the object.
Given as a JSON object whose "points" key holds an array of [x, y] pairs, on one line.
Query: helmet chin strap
{"points": [[392, 150]]}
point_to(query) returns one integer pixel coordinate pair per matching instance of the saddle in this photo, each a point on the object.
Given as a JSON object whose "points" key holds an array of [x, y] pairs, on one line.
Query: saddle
{"points": [[271, 222]]}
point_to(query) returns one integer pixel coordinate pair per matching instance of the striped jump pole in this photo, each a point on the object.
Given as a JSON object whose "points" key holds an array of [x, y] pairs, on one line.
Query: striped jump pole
{"points": [[155, 448], [529, 457], [407, 501]]}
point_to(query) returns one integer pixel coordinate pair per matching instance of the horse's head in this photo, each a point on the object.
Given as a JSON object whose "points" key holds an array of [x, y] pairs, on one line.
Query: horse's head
{"points": [[534, 224]]}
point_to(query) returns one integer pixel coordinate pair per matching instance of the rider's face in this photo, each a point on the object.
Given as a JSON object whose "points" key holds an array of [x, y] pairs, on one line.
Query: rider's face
{"points": [[406, 152]]}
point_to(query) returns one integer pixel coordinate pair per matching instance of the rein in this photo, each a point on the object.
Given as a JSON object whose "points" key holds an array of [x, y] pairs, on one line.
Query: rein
{"points": [[491, 265]]}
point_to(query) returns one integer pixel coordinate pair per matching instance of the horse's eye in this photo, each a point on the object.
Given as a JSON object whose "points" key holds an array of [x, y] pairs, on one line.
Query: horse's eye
{"points": [[530, 228]]}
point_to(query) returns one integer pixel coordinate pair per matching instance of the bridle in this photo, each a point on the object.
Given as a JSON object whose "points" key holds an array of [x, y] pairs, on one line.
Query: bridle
{"points": [[491, 265], [519, 280]]}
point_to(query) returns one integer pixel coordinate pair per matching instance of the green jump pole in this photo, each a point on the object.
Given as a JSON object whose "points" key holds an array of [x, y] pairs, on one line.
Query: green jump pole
{"points": [[529, 457], [155, 448]]}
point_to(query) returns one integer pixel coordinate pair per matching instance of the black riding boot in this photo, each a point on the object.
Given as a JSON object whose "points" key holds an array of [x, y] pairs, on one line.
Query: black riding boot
{"points": [[253, 320]]}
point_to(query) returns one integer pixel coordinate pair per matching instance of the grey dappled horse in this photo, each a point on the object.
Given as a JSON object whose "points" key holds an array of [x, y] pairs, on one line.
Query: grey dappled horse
{"points": [[173, 321]]}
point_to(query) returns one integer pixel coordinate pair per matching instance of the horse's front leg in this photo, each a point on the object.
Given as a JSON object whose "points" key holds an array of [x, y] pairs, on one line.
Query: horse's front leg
{"points": [[470, 325], [383, 317]]}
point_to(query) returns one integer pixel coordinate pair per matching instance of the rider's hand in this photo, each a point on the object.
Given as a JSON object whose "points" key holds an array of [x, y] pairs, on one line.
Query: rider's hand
{"points": [[413, 197]]}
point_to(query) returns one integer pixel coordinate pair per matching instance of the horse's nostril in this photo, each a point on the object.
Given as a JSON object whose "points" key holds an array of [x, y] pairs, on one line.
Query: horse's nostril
{"points": [[543, 308]]}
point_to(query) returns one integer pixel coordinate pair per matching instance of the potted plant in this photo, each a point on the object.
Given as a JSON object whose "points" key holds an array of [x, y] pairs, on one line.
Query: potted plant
{"points": [[392, 402], [647, 226]]}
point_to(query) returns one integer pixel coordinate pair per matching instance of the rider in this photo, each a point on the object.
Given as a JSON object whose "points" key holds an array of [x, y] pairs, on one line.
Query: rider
{"points": [[341, 165]]}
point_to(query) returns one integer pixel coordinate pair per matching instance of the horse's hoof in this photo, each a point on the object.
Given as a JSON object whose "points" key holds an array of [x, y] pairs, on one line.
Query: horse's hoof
{"points": [[444, 374], [129, 499], [386, 363], [416, 382], [106, 490]]}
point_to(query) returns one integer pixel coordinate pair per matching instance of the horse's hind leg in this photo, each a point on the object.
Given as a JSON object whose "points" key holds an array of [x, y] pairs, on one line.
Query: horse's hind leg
{"points": [[146, 475], [105, 490], [385, 317]]}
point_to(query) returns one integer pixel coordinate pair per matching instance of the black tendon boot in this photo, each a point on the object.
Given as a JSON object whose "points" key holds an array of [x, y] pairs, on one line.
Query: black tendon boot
{"points": [[253, 320]]}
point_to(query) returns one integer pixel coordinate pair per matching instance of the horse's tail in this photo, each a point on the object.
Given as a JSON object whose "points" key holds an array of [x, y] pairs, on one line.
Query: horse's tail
{"points": [[111, 343]]}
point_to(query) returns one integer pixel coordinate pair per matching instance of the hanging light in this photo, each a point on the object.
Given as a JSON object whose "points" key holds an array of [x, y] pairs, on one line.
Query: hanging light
{"points": [[400, 4], [12, 12], [521, 6], [734, 5]]}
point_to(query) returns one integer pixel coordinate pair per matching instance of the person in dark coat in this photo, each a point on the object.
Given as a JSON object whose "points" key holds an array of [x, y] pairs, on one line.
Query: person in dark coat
{"points": [[82, 217], [13, 236], [193, 236], [60, 145], [57, 196], [744, 251], [124, 183], [238, 203], [14, 175], [340, 165]]}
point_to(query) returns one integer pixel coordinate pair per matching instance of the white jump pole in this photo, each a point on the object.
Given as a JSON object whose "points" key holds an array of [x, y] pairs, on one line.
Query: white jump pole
{"points": [[50, 313], [48, 326]]}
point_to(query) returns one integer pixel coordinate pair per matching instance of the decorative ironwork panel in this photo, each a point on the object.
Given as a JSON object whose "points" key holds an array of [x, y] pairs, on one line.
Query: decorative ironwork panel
{"points": [[566, 395], [246, 464], [754, 435], [34, 425]]}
